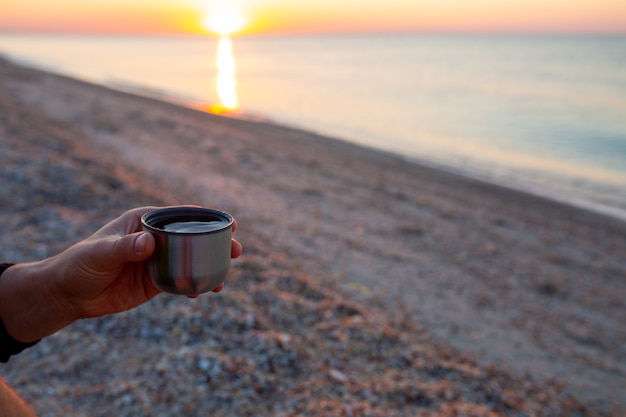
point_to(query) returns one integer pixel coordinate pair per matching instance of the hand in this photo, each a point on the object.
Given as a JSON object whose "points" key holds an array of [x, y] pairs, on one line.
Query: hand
{"points": [[100, 275]]}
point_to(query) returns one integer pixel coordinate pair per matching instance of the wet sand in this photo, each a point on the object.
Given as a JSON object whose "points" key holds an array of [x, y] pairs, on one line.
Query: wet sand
{"points": [[369, 285]]}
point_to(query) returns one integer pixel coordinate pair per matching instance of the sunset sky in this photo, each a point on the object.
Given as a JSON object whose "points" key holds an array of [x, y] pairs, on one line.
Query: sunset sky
{"points": [[260, 17]]}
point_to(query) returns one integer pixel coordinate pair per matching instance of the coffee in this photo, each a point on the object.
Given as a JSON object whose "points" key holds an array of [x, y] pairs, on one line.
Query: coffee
{"points": [[194, 226]]}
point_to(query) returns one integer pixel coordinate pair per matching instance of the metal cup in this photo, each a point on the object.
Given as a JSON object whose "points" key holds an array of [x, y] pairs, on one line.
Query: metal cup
{"points": [[188, 262]]}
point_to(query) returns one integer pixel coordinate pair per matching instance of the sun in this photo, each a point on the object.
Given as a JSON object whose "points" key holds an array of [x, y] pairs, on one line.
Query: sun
{"points": [[225, 19]]}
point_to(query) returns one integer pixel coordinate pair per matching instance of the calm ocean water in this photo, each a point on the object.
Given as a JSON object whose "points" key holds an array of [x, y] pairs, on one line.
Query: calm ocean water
{"points": [[544, 114]]}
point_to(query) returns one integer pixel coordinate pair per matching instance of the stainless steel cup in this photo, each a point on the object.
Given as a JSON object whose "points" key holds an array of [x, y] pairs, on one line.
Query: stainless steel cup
{"points": [[188, 262]]}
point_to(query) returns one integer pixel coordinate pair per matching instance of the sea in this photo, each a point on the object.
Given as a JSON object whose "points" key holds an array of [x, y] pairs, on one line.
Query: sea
{"points": [[544, 114]]}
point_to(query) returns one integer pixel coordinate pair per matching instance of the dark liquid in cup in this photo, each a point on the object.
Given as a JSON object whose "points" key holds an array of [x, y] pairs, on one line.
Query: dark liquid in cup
{"points": [[194, 226]]}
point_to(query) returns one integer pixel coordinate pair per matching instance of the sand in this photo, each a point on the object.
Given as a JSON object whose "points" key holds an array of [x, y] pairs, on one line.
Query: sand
{"points": [[369, 286]]}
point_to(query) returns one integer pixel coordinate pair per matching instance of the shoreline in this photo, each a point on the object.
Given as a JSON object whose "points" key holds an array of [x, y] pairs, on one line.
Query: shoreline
{"points": [[340, 233], [585, 202], [474, 175]]}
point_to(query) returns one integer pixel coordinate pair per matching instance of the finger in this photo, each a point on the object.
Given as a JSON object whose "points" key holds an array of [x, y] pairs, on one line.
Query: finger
{"points": [[130, 248], [236, 249], [103, 254], [143, 245]]}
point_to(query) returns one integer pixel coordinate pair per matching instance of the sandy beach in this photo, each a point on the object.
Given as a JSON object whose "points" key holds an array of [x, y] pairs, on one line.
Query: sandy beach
{"points": [[369, 285]]}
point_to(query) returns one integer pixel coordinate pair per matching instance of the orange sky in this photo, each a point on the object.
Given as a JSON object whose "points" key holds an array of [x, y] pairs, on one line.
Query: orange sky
{"points": [[316, 16]]}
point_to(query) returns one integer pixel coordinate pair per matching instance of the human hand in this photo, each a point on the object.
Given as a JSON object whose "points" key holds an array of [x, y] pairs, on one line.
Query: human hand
{"points": [[105, 273], [100, 275]]}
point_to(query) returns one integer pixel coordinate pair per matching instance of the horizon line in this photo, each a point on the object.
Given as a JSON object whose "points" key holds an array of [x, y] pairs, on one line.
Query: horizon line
{"points": [[450, 32]]}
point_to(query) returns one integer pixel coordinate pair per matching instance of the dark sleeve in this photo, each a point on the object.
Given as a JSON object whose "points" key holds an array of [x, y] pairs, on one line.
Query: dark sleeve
{"points": [[8, 345]]}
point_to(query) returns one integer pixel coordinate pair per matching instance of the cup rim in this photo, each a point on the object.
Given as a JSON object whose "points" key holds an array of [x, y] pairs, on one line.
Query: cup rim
{"points": [[171, 213]]}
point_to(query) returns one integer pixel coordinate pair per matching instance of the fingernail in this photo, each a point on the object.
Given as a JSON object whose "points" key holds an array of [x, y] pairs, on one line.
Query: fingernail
{"points": [[140, 244]]}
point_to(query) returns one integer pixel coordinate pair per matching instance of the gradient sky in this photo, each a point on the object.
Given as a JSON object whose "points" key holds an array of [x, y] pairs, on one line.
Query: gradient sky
{"points": [[316, 16]]}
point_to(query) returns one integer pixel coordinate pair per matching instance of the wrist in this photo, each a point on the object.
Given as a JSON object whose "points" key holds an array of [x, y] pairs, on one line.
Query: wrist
{"points": [[29, 307]]}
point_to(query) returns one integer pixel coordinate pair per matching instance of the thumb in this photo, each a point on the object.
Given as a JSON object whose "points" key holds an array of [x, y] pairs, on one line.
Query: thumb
{"points": [[134, 247]]}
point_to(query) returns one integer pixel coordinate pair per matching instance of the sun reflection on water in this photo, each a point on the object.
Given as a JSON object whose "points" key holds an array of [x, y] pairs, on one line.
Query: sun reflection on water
{"points": [[226, 80]]}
